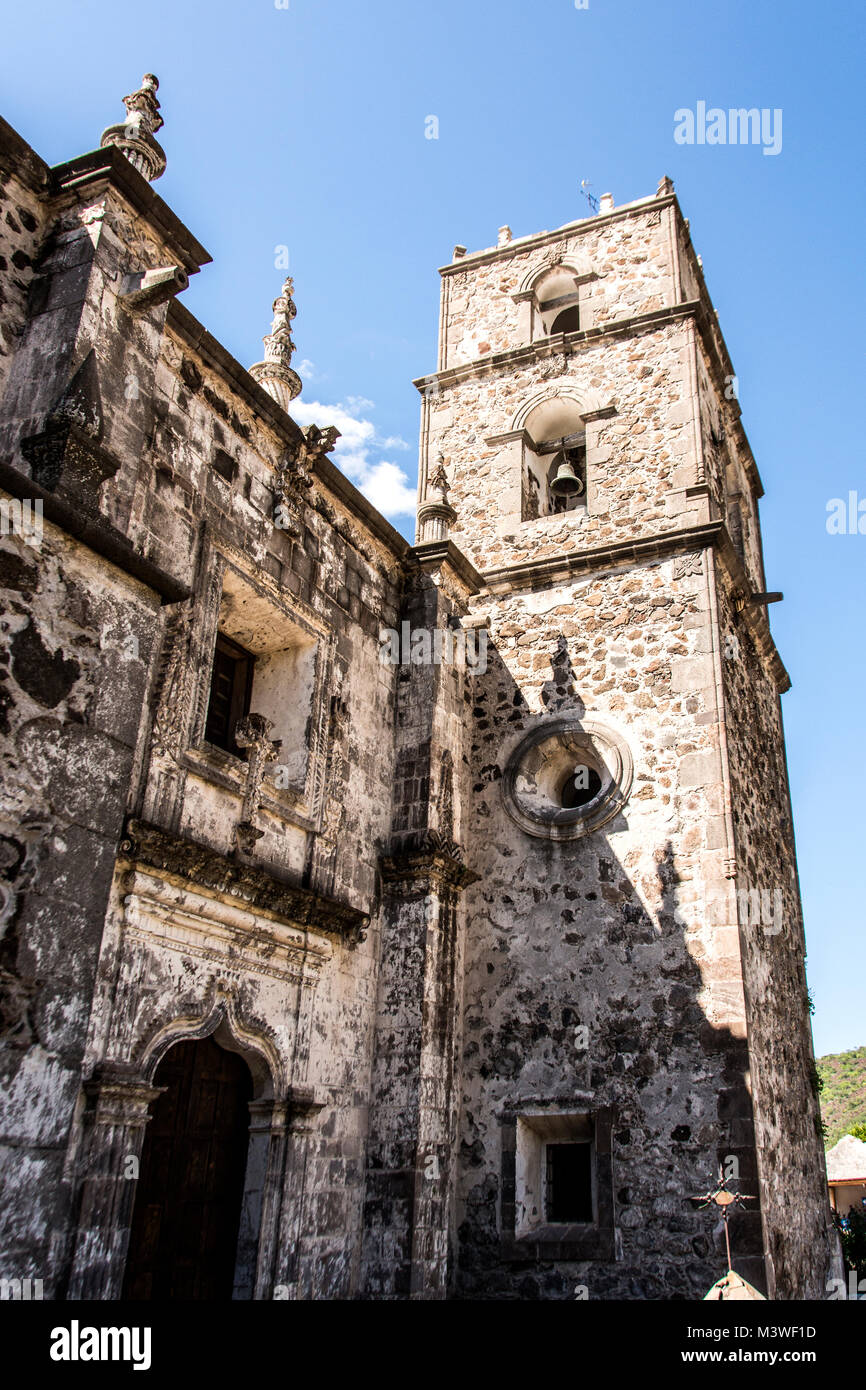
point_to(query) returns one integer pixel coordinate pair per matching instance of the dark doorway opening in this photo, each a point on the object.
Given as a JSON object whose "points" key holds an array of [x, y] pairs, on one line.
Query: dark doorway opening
{"points": [[184, 1235]]}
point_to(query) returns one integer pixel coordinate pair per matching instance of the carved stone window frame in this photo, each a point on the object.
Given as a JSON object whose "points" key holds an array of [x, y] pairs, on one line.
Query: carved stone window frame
{"points": [[300, 804], [536, 1122]]}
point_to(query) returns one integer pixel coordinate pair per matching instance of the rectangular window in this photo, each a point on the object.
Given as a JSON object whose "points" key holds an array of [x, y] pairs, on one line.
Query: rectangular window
{"points": [[568, 1183], [230, 688], [557, 1184]]}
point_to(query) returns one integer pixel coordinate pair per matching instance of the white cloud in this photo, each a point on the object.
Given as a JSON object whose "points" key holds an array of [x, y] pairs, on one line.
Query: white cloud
{"points": [[307, 370], [358, 453], [394, 441]]}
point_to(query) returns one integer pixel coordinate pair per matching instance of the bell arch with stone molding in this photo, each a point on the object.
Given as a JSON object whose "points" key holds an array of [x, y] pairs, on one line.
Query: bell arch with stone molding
{"points": [[578, 263], [549, 414], [570, 277], [588, 403]]}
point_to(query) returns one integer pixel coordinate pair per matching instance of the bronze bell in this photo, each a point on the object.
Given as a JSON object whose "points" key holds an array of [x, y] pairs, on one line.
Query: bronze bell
{"points": [[566, 483]]}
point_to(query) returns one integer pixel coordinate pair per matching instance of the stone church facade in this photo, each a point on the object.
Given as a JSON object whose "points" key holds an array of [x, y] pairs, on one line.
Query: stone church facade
{"points": [[323, 975]]}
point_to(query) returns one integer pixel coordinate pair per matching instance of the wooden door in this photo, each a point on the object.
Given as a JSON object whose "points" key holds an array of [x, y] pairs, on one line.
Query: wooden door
{"points": [[187, 1211]]}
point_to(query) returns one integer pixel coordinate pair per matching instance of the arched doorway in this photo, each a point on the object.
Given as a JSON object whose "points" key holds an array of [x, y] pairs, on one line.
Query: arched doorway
{"points": [[185, 1222]]}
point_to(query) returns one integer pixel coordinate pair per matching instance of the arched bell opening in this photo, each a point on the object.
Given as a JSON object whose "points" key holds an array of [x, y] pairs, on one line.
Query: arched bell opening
{"points": [[557, 302], [554, 459], [567, 321]]}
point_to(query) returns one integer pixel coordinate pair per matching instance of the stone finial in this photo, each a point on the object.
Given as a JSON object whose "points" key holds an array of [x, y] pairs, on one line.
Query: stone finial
{"points": [[605, 203], [666, 186], [459, 252], [504, 236], [274, 373], [134, 136]]}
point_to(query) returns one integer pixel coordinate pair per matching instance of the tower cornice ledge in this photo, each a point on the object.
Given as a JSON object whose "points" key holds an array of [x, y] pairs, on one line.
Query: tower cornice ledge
{"points": [[539, 574], [555, 345], [584, 225]]}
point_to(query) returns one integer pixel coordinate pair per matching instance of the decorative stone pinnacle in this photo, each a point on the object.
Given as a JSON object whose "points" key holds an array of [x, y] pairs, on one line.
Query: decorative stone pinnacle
{"points": [[134, 136], [274, 373]]}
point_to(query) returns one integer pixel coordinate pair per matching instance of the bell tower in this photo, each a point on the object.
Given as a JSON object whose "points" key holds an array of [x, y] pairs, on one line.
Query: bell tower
{"points": [[634, 1012]]}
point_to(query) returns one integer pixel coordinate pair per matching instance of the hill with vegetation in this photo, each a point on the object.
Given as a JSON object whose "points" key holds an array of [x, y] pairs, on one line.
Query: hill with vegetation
{"points": [[843, 1094]]}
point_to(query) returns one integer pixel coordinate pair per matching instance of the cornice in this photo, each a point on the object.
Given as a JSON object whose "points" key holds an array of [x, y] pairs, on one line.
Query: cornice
{"points": [[93, 529], [539, 574], [423, 858], [556, 345], [582, 227], [658, 545], [248, 884], [111, 167], [436, 555]]}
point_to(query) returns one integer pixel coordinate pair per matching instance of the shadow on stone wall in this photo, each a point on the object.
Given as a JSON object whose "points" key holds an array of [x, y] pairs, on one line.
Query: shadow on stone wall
{"points": [[558, 935]]}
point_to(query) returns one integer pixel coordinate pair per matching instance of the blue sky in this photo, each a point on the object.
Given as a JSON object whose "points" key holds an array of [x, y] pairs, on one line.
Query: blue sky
{"points": [[304, 127]]}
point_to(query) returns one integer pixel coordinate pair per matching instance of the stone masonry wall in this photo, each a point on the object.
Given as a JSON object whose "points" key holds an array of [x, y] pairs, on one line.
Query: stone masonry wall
{"points": [[23, 177], [78, 638], [176, 413], [626, 931], [788, 1123]]}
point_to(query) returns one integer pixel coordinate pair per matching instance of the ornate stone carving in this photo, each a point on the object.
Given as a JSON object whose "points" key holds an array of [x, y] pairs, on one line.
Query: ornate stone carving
{"points": [[445, 796], [249, 885], [174, 682], [554, 366], [134, 136], [317, 443], [436, 516], [688, 564], [536, 770], [294, 476], [251, 733], [423, 857]]}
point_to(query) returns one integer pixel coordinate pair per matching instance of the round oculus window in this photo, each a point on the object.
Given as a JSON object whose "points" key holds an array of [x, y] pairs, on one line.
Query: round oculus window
{"points": [[567, 778]]}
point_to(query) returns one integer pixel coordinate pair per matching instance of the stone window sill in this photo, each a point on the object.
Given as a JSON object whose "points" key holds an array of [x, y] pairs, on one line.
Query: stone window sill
{"points": [[555, 1242]]}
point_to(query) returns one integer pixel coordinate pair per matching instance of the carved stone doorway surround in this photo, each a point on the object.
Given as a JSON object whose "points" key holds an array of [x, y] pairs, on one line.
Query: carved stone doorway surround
{"points": [[118, 1107], [258, 948]]}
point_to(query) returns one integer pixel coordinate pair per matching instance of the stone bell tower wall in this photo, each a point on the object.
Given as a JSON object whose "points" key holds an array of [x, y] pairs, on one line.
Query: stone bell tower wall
{"points": [[612, 974]]}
